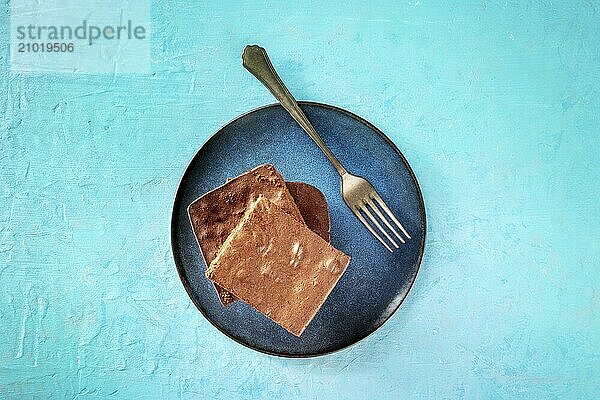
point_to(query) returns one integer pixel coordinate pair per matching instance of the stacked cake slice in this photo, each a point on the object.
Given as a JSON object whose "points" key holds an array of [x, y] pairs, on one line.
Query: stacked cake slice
{"points": [[254, 238]]}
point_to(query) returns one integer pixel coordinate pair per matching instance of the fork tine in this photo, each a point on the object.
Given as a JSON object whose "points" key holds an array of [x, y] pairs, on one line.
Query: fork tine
{"points": [[376, 196], [377, 224], [370, 228], [384, 219]]}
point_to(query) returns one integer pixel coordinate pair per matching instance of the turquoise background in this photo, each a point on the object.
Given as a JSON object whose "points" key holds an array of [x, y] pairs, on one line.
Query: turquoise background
{"points": [[494, 103]]}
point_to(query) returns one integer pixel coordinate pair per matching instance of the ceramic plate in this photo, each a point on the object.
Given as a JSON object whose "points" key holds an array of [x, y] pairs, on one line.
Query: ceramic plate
{"points": [[376, 281]]}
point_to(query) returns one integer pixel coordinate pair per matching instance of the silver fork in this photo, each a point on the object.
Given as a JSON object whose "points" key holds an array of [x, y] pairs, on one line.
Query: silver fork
{"points": [[358, 193]]}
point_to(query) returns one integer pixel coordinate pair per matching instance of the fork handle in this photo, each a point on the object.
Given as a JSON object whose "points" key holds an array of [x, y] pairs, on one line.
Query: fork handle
{"points": [[256, 60]]}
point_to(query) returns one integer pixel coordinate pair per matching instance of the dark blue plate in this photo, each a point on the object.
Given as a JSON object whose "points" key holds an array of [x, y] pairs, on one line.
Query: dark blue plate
{"points": [[376, 281]]}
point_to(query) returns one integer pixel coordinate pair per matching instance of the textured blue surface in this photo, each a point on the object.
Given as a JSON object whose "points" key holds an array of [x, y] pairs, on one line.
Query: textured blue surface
{"points": [[376, 281], [495, 105]]}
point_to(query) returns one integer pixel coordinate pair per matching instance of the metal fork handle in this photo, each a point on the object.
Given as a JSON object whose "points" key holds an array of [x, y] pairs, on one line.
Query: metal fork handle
{"points": [[256, 60]]}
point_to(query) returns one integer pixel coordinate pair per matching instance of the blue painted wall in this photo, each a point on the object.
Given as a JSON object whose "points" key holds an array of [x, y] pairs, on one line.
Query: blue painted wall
{"points": [[495, 104]]}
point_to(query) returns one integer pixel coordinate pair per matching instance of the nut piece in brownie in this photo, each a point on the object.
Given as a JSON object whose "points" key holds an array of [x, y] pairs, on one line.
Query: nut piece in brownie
{"points": [[277, 265]]}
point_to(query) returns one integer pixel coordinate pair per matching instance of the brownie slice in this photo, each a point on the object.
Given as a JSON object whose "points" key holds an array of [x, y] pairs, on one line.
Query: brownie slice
{"points": [[214, 215], [315, 213], [277, 265], [313, 207]]}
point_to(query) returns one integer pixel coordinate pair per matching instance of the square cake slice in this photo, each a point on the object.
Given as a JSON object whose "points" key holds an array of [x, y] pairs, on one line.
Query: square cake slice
{"points": [[214, 215], [277, 265], [315, 213]]}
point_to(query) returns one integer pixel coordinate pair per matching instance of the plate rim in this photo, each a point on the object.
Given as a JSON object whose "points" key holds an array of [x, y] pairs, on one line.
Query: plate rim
{"points": [[178, 262]]}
